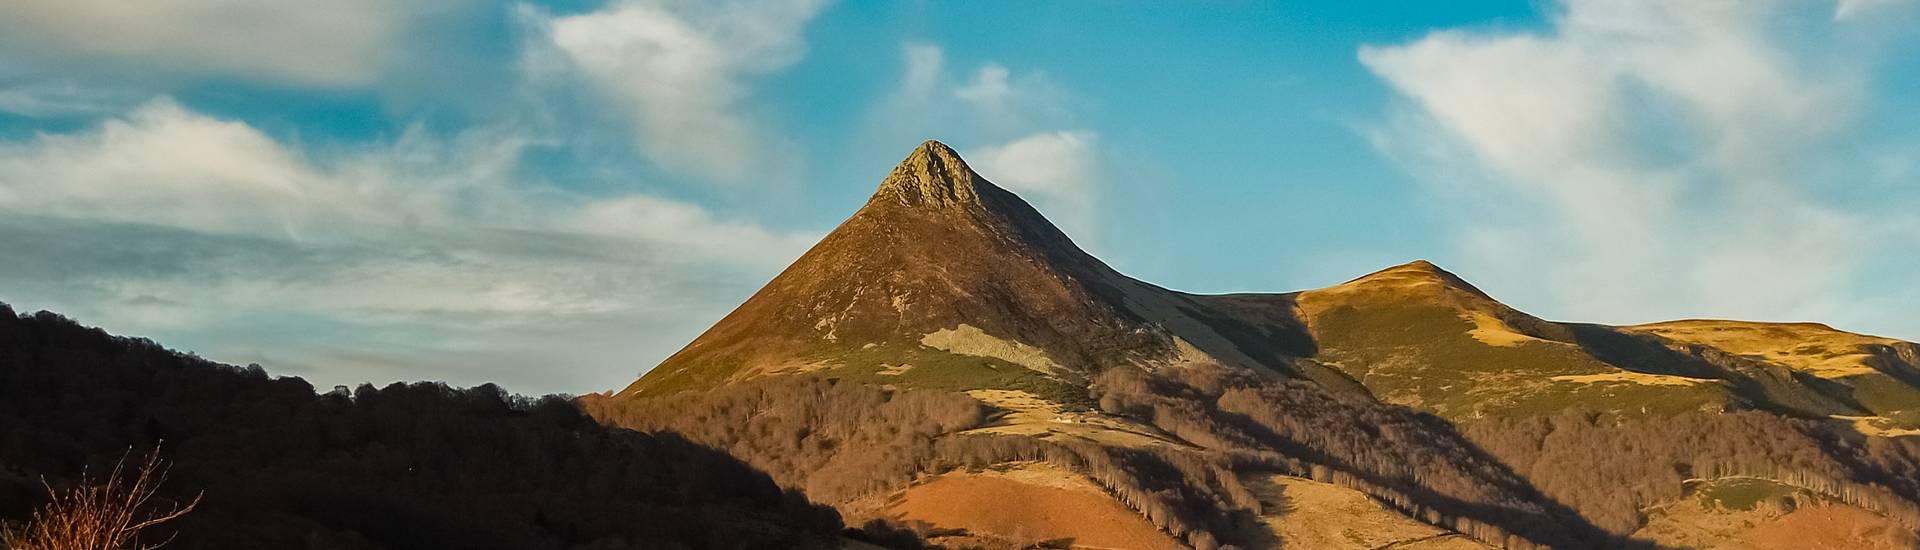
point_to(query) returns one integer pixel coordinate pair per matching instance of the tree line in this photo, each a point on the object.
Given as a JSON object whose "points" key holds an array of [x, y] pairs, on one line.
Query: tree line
{"points": [[841, 441], [403, 466], [1610, 469]]}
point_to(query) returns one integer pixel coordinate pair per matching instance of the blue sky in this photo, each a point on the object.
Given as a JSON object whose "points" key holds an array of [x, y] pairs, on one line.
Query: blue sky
{"points": [[554, 196]]}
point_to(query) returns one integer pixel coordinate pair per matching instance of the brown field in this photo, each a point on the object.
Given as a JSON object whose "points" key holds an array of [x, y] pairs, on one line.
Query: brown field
{"points": [[1808, 523], [1829, 528], [1302, 513], [1025, 506]]}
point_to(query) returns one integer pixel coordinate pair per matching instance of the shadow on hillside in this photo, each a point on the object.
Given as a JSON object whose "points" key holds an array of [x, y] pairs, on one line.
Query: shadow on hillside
{"points": [[405, 466]]}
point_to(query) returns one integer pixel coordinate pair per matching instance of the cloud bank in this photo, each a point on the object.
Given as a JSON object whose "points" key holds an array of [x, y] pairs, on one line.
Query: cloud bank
{"points": [[329, 44], [680, 71], [1634, 138], [165, 219]]}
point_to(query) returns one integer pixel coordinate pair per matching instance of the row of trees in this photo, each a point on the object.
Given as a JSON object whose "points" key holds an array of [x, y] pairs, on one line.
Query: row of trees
{"points": [[1610, 470], [404, 466], [840, 442], [1577, 479], [1412, 461]]}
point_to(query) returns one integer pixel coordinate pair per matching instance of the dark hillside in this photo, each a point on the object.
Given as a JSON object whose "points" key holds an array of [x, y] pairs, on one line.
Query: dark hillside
{"points": [[405, 466]]}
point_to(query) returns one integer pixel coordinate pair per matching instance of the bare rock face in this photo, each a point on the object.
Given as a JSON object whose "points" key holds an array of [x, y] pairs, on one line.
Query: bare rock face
{"points": [[933, 176], [936, 247]]}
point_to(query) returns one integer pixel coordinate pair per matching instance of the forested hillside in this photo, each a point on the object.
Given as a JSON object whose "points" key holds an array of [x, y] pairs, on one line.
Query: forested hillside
{"points": [[406, 466], [1572, 481]]}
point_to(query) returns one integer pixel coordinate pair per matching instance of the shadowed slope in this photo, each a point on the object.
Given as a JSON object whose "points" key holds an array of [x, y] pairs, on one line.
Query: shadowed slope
{"points": [[405, 466]]}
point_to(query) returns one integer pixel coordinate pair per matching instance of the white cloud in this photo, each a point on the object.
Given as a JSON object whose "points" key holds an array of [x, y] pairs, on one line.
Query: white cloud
{"points": [[1058, 171], [59, 98], [995, 103], [926, 65], [165, 166], [1637, 138], [168, 220], [339, 43], [989, 90], [682, 71]]}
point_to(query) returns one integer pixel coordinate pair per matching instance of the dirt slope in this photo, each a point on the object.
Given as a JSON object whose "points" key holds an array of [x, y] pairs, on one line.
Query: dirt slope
{"points": [[1024, 506]]}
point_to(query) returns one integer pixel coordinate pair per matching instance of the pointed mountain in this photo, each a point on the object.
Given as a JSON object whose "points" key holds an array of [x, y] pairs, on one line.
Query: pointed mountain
{"points": [[944, 279]]}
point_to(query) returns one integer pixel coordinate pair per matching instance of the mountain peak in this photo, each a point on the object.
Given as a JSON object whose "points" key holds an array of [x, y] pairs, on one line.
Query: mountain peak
{"points": [[933, 176], [1417, 271]]}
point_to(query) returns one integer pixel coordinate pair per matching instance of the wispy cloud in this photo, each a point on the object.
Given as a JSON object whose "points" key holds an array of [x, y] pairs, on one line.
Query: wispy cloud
{"points": [[170, 220], [1058, 171], [46, 98], [343, 43], [1641, 138], [1014, 127], [681, 72]]}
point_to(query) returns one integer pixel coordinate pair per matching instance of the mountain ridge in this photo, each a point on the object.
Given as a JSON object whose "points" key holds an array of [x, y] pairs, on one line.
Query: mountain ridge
{"points": [[945, 280]]}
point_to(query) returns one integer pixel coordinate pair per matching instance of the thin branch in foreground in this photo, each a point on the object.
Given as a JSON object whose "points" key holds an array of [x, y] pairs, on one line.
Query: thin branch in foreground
{"points": [[108, 516]]}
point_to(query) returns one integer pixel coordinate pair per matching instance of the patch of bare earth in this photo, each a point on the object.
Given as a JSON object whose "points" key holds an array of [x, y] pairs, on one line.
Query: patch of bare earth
{"points": [[1695, 524], [1302, 513], [1831, 527], [1025, 506], [970, 340]]}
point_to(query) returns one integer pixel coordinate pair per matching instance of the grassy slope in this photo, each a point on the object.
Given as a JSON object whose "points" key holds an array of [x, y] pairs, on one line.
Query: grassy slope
{"points": [[1877, 374], [1423, 355]]}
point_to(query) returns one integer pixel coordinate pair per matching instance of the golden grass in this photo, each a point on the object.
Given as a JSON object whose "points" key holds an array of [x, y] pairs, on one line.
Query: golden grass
{"points": [[1645, 379], [1302, 513], [107, 516], [1029, 415], [1875, 426], [1816, 349]]}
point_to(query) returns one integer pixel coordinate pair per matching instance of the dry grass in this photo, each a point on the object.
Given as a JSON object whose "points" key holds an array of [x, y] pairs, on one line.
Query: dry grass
{"points": [[1642, 378], [108, 516], [970, 340], [1302, 513], [1030, 415], [1816, 349]]}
